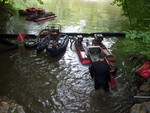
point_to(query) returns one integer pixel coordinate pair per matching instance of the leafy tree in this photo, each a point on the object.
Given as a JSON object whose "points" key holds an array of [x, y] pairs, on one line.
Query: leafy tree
{"points": [[136, 10], [136, 44], [137, 40]]}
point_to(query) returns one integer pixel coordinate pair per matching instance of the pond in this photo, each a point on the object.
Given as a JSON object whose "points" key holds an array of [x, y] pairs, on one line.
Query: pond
{"points": [[63, 85]]}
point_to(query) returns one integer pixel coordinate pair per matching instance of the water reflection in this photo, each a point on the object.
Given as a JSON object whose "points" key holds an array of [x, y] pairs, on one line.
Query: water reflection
{"points": [[45, 85], [74, 16]]}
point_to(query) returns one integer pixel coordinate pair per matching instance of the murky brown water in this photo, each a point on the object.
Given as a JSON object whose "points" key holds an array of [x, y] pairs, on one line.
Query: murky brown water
{"points": [[63, 85]]}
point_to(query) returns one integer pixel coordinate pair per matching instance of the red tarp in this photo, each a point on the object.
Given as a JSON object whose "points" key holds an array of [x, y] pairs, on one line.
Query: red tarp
{"points": [[144, 70]]}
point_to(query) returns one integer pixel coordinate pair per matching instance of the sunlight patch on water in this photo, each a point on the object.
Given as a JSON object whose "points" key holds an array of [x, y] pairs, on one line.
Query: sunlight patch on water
{"points": [[72, 29], [75, 27]]}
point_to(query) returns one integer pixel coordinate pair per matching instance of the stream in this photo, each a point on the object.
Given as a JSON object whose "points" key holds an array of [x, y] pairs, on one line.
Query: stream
{"points": [[42, 84]]}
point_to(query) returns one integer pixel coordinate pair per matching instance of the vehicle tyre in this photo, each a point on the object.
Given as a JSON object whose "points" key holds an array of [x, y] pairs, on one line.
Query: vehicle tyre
{"points": [[30, 44]]}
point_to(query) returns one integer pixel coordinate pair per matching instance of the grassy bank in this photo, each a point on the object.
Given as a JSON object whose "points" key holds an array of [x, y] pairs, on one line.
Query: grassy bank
{"points": [[133, 50]]}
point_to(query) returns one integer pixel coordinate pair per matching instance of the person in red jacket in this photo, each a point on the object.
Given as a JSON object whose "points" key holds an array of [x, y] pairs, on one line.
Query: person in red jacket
{"points": [[100, 73]]}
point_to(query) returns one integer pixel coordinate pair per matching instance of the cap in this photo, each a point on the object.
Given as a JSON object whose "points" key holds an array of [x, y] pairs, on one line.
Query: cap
{"points": [[102, 55]]}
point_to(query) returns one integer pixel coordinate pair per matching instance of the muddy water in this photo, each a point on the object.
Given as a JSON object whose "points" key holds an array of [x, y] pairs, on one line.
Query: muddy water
{"points": [[63, 85]]}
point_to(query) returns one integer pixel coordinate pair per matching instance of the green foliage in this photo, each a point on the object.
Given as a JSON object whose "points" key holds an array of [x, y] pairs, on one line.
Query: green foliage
{"points": [[135, 42], [136, 10], [40, 1], [5, 1], [143, 35], [5, 10]]}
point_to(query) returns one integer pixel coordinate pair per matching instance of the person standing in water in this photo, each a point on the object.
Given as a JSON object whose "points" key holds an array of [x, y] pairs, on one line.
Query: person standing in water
{"points": [[100, 73]]}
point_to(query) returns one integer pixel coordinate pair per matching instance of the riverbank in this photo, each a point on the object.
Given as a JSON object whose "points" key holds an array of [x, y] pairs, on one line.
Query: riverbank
{"points": [[8, 105], [142, 104]]}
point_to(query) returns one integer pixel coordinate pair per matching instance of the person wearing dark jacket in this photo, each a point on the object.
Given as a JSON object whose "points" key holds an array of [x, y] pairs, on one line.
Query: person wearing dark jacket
{"points": [[100, 73]]}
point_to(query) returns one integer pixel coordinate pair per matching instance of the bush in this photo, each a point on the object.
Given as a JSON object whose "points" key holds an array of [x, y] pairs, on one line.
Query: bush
{"points": [[135, 42]]}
